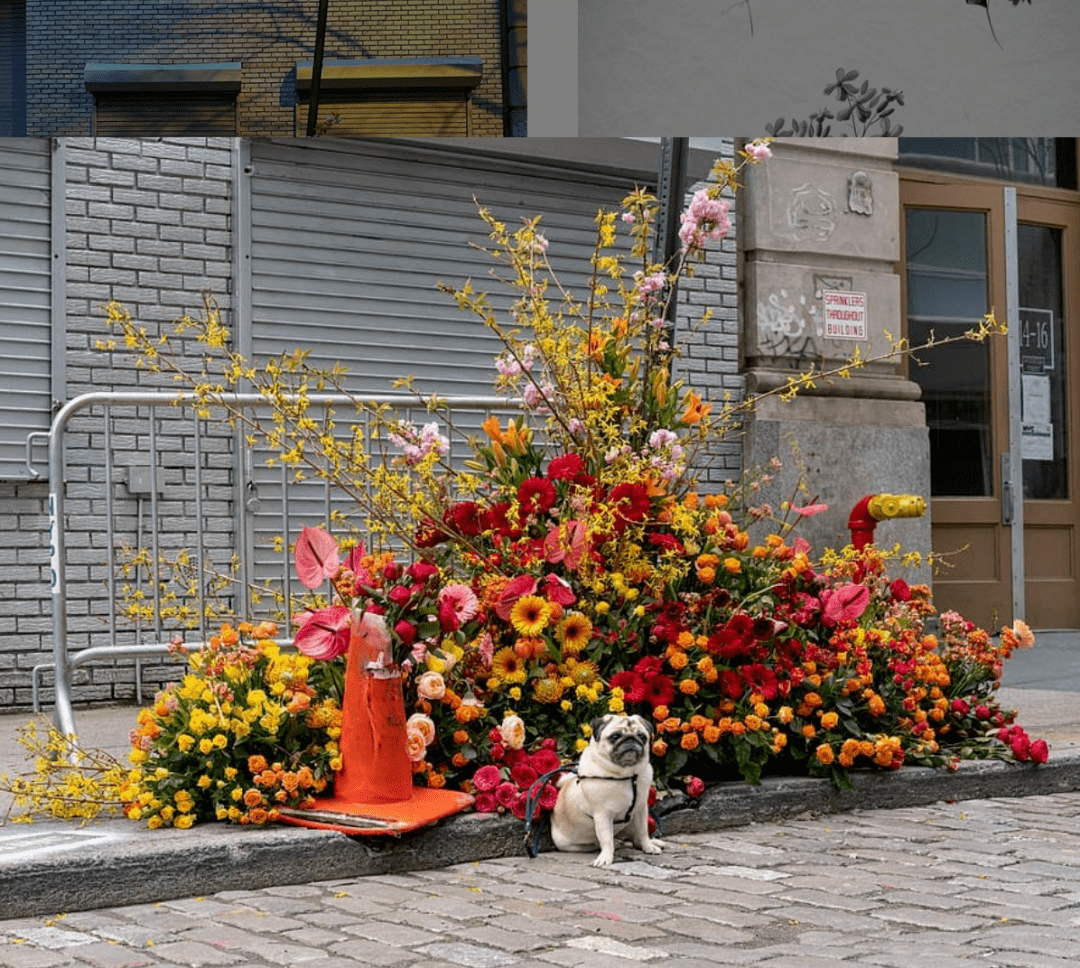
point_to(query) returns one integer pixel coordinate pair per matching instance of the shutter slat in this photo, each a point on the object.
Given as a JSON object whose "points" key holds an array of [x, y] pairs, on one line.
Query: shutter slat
{"points": [[25, 299], [165, 115]]}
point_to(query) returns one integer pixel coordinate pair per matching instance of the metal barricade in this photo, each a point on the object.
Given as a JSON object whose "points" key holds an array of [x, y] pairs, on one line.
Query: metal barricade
{"points": [[244, 507]]}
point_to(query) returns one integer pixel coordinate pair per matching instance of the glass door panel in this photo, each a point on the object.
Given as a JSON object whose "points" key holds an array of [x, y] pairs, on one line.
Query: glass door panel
{"points": [[1042, 357], [947, 292]]}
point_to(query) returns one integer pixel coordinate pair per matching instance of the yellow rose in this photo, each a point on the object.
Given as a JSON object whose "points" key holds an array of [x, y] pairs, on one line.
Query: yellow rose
{"points": [[184, 742], [184, 821]]}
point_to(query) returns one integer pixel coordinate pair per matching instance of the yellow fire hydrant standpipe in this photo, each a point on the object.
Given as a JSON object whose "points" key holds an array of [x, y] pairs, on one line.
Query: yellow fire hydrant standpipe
{"points": [[880, 507]]}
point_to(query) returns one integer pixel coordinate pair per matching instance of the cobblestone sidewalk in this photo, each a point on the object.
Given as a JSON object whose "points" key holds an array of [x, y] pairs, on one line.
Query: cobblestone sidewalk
{"points": [[993, 883]]}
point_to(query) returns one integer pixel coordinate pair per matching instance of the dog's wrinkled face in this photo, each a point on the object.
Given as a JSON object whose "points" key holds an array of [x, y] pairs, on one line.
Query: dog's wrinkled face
{"points": [[624, 740]]}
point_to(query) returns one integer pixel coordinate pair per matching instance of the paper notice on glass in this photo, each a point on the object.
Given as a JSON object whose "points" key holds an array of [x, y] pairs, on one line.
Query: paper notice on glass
{"points": [[1037, 441], [1036, 389]]}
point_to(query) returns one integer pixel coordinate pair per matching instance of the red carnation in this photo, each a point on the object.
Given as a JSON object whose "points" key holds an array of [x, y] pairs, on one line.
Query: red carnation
{"points": [[536, 495]]}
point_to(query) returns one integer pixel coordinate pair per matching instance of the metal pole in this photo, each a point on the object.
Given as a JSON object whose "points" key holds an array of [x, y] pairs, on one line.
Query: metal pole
{"points": [[1016, 456], [316, 69], [671, 187]]}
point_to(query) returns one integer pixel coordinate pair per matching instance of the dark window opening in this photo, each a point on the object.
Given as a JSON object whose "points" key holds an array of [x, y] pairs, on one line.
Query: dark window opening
{"points": [[12, 70], [1038, 161]]}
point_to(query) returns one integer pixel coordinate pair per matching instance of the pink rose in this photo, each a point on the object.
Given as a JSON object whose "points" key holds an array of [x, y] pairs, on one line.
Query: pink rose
{"points": [[486, 779], [695, 787], [431, 686], [424, 725], [1040, 751], [486, 802], [416, 745], [506, 793], [512, 732]]}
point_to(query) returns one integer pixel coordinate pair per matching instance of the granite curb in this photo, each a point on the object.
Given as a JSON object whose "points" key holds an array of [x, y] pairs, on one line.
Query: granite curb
{"points": [[117, 863]]}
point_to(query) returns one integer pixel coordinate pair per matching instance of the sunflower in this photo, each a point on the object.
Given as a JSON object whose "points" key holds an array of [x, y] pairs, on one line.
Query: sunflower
{"points": [[507, 666], [530, 615], [574, 633]]}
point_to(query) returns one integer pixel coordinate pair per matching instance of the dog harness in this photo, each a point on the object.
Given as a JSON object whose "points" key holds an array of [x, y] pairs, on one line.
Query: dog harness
{"points": [[532, 833]]}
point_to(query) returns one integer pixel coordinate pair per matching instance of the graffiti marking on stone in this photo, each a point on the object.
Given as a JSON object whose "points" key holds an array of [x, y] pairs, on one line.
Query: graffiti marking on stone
{"points": [[811, 214]]}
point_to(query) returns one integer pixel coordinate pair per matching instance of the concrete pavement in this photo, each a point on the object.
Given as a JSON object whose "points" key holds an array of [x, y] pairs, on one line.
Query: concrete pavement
{"points": [[63, 867], [991, 882]]}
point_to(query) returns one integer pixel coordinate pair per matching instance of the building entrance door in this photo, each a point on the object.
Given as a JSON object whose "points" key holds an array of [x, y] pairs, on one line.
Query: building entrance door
{"points": [[955, 271]]}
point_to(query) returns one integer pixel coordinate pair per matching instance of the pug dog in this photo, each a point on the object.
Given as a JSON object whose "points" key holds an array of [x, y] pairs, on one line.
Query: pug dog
{"points": [[600, 802]]}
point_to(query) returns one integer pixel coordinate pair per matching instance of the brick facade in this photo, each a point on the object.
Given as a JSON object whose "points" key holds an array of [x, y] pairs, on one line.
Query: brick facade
{"points": [[148, 224], [710, 360], [267, 36]]}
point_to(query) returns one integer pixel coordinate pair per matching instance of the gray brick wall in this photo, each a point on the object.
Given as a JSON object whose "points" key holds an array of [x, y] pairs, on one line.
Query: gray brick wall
{"points": [[267, 36], [149, 225], [710, 359]]}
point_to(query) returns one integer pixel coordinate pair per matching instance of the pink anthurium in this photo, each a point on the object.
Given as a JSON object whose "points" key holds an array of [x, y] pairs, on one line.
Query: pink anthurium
{"points": [[324, 632], [843, 604], [316, 557], [566, 543]]}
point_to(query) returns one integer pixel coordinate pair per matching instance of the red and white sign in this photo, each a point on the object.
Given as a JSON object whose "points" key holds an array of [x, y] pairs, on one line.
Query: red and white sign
{"points": [[845, 314]]}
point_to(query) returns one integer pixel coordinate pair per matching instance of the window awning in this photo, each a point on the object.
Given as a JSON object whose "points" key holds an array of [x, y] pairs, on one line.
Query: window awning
{"points": [[221, 78], [406, 72]]}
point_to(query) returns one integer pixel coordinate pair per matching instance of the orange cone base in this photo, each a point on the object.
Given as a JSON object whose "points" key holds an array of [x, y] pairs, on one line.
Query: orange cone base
{"points": [[425, 807]]}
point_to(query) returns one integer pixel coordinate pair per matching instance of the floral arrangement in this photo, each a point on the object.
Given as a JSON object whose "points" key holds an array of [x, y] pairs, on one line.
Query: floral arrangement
{"points": [[575, 568], [248, 730]]}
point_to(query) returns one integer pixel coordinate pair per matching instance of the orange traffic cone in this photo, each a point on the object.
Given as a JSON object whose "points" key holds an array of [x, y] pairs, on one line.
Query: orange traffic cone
{"points": [[373, 791]]}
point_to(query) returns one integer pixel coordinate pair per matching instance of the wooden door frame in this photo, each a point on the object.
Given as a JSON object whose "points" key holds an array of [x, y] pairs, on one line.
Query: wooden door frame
{"points": [[1040, 205]]}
